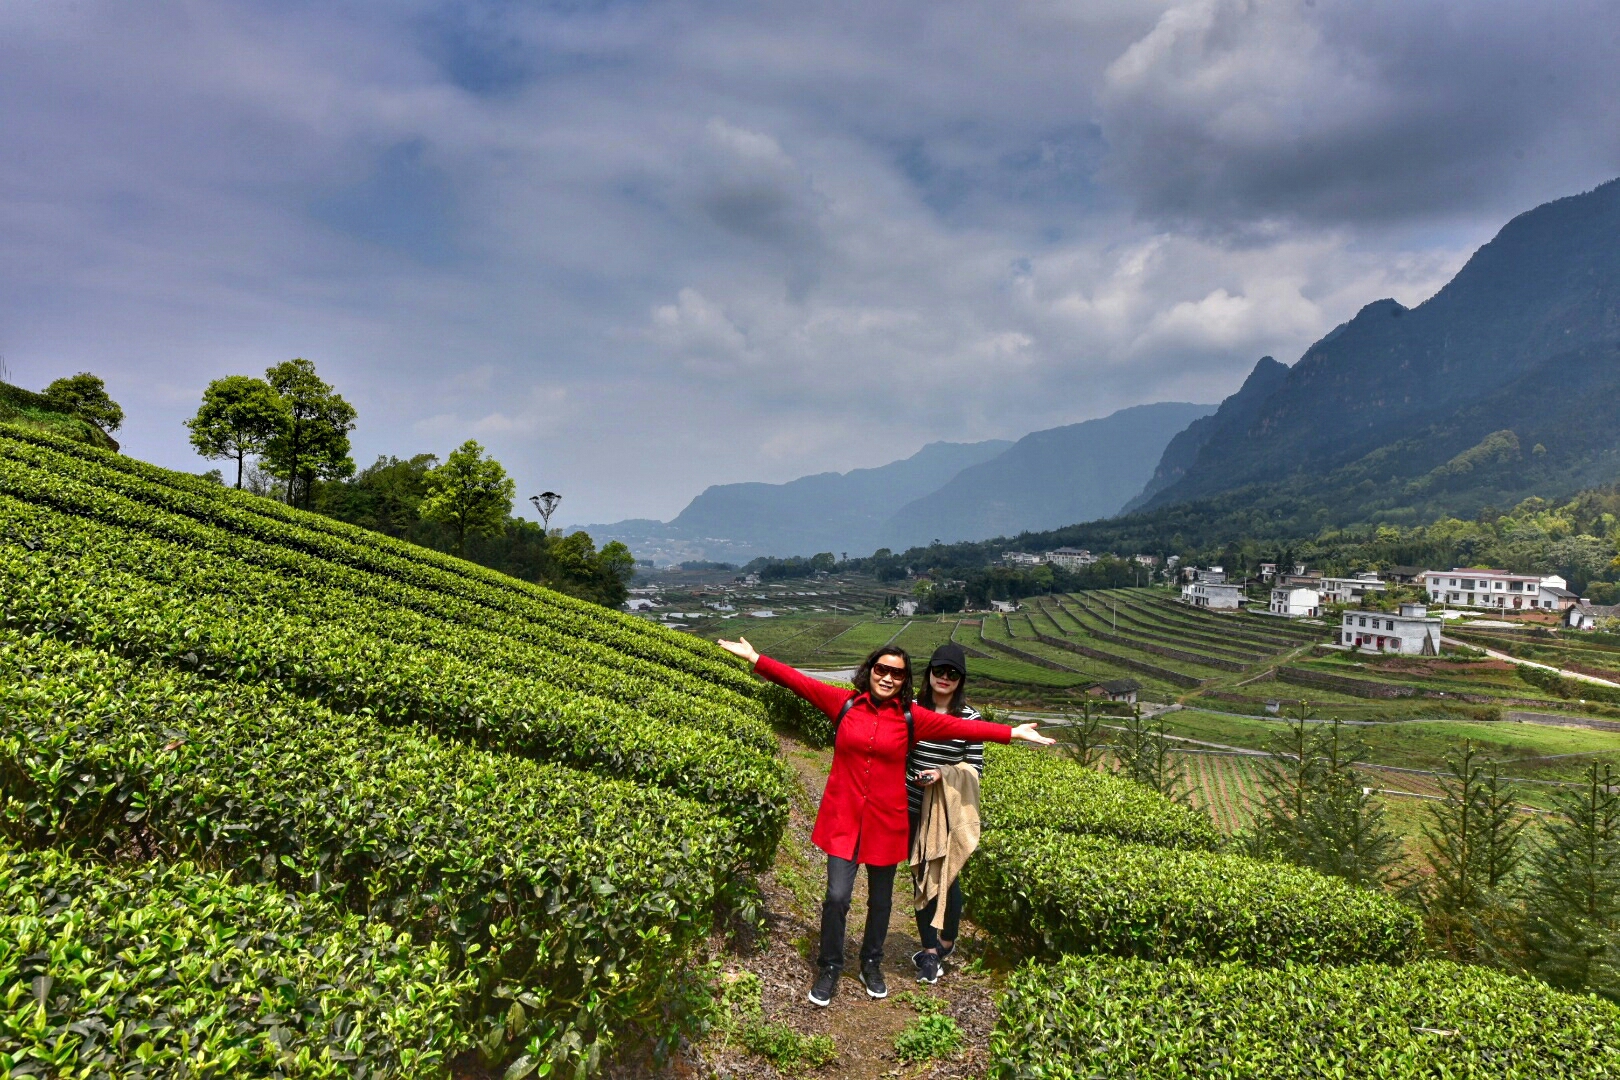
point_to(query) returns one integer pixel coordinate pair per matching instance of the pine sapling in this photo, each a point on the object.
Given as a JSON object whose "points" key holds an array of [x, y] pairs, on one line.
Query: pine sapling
{"points": [[1288, 783], [1083, 739], [1346, 832], [1474, 845], [1145, 756], [1572, 894]]}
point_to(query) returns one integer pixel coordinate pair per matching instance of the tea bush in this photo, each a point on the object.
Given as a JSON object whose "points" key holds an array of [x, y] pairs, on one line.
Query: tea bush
{"points": [[572, 898], [171, 971], [1097, 1018], [1048, 791], [141, 598], [1045, 893]]}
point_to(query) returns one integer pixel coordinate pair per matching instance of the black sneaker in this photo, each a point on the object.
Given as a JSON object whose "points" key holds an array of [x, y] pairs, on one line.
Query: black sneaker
{"points": [[946, 950], [826, 986], [927, 966], [872, 979]]}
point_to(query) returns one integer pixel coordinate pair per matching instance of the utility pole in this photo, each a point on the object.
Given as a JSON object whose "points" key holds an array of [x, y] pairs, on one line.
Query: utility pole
{"points": [[545, 503]]}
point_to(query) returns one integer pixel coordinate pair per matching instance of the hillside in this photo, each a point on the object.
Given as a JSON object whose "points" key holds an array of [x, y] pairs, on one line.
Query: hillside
{"points": [[1516, 341], [24, 408], [1048, 478], [515, 778]]}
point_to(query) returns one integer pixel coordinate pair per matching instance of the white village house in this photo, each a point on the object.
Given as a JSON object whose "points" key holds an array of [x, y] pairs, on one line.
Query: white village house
{"points": [[1411, 632], [1070, 558], [1295, 602], [1585, 615], [1340, 590], [1217, 596], [1497, 589]]}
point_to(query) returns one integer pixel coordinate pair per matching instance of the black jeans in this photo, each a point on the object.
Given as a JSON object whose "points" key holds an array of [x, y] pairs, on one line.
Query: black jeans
{"points": [[953, 917], [835, 910]]}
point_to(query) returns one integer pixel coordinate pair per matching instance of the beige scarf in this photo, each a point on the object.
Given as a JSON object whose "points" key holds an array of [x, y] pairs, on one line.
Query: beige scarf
{"points": [[947, 833]]}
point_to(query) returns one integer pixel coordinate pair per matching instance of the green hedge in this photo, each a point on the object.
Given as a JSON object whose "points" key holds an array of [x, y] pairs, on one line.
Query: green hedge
{"points": [[147, 599], [575, 895], [170, 971], [1093, 1018], [1049, 791], [1046, 894]]}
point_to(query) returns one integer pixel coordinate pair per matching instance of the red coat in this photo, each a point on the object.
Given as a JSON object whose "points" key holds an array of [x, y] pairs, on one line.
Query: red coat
{"points": [[865, 797]]}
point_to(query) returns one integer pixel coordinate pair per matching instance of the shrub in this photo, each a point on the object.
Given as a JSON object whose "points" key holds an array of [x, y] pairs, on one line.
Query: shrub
{"points": [[1048, 791], [172, 971], [932, 1035], [572, 898], [1047, 893], [1105, 1019]]}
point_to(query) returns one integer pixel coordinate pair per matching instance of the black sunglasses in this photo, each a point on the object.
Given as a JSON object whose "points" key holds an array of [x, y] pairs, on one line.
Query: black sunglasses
{"points": [[888, 671], [949, 674]]}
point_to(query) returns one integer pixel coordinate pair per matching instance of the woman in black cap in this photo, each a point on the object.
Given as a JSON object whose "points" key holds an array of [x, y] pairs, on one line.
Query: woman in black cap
{"points": [[943, 689]]}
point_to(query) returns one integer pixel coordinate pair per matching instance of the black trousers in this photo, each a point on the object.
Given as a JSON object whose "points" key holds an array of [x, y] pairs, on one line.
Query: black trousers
{"points": [[953, 917], [835, 910]]}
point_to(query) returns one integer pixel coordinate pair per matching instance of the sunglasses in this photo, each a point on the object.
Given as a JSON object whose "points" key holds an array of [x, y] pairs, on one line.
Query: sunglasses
{"points": [[949, 674], [886, 671]]}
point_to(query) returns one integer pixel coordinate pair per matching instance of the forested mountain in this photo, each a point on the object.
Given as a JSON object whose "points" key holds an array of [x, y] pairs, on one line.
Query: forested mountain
{"points": [[1523, 339], [1237, 411], [1048, 478]]}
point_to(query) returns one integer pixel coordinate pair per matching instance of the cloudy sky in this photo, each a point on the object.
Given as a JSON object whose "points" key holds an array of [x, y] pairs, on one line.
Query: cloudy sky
{"points": [[639, 248]]}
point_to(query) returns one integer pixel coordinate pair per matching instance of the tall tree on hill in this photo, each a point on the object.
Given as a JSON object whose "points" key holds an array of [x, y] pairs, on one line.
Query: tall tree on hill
{"points": [[239, 416], [470, 493], [1572, 891], [314, 445], [84, 395]]}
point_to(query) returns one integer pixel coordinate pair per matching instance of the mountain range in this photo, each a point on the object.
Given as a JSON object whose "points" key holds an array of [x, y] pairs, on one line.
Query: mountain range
{"points": [[1503, 385], [946, 491]]}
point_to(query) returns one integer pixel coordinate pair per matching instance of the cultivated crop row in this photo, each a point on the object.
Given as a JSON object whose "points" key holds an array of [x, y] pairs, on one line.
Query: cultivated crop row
{"points": [[570, 898], [1101, 1018], [252, 517], [173, 971], [206, 619]]}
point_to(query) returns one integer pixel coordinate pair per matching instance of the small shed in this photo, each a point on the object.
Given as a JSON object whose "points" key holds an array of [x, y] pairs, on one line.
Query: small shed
{"points": [[1118, 690]]}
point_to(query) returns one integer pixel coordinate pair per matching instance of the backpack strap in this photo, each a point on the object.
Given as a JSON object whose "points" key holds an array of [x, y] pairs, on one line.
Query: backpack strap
{"points": [[843, 711], [849, 703]]}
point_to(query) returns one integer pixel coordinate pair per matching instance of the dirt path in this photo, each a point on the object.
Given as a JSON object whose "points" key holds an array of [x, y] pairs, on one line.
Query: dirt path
{"points": [[863, 1029], [1566, 673]]}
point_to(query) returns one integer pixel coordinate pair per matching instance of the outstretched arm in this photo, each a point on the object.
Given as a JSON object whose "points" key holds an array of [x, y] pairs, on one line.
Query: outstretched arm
{"points": [[829, 699], [933, 725]]}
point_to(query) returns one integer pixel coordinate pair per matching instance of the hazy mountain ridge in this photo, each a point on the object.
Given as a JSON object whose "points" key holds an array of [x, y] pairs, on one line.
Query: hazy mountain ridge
{"points": [[949, 491], [1048, 478]]}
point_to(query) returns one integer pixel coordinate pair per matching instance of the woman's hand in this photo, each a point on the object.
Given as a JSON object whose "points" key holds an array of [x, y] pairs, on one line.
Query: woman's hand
{"points": [[741, 648], [1027, 733]]}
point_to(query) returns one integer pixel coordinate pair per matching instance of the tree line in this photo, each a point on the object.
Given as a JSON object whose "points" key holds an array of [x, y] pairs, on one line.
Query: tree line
{"points": [[295, 427]]}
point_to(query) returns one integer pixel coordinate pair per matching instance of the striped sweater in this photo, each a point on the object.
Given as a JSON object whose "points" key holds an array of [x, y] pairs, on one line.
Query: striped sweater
{"points": [[937, 755]]}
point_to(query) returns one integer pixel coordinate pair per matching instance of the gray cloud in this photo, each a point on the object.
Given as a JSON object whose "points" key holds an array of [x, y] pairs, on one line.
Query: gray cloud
{"points": [[641, 248]]}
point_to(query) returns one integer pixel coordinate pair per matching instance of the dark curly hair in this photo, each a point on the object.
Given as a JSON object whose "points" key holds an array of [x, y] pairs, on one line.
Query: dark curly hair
{"points": [[863, 674]]}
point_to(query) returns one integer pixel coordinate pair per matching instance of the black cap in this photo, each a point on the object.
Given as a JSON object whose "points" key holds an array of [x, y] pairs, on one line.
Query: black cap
{"points": [[949, 654]]}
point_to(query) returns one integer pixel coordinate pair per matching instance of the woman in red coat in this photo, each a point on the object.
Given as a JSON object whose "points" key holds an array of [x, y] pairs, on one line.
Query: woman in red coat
{"points": [[863, 818]]}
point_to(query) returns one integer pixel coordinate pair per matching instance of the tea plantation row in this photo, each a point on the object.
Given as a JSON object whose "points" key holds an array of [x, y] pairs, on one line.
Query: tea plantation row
{"points": [[552, 802], [1151, 954]]}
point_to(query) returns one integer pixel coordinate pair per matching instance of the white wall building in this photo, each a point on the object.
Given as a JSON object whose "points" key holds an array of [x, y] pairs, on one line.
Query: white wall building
{"points": [[1021, 558], [1296, 602], [1411, 632], [1006, 607], [1213, 594], [1493, 589], [1341, 590], [1070, 558]]}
